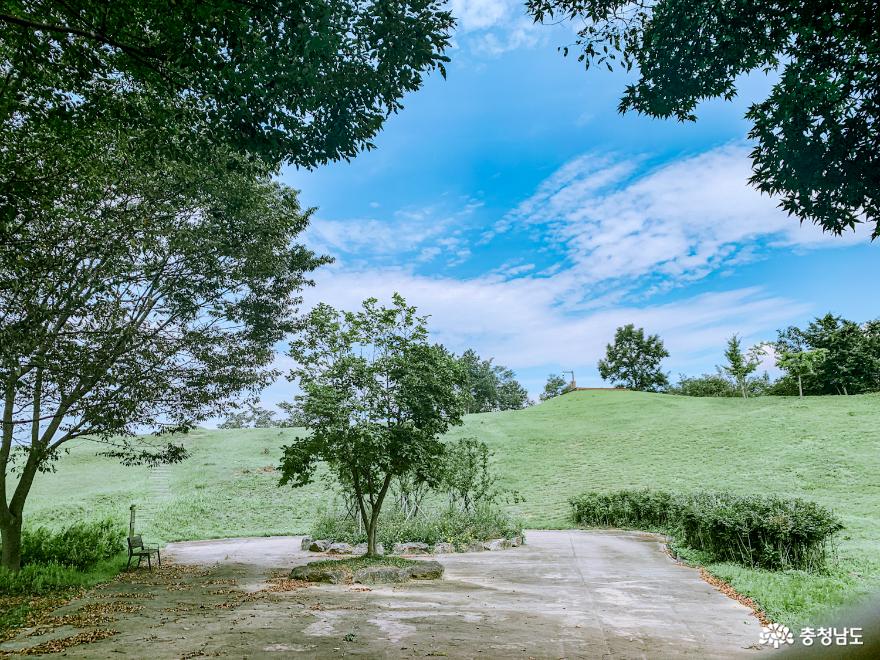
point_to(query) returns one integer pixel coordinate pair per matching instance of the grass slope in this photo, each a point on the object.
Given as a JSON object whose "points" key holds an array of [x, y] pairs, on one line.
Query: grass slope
{"points": [[823, 448]]}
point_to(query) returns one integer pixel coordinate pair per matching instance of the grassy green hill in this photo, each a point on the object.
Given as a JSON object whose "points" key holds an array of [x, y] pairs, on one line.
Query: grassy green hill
{"points": [[823, 448]]}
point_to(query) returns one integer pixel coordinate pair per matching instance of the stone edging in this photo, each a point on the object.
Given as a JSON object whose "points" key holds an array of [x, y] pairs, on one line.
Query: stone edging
{"points": [[330, 548]]}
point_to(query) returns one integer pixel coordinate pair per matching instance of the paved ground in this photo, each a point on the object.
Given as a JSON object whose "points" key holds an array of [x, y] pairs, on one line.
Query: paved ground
{"points": [[562, 595]]}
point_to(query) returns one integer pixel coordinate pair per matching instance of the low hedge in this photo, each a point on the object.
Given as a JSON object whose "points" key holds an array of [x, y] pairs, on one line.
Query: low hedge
{"points": [[757, 530]]}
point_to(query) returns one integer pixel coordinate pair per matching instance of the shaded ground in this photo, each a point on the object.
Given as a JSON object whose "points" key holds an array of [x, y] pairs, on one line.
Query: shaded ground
{"points": [[564, 594]]}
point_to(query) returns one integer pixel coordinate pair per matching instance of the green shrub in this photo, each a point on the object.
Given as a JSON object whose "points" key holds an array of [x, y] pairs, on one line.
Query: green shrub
{"points": [[446, 526], [53, 578], [79, 546], [719, 385], [758, 531]]}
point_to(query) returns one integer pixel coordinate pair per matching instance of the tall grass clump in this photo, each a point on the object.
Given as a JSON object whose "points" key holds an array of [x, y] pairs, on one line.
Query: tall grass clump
{"points": [[76, 556], [446, 525], [53, 578], [79, 546], [759, 531]]}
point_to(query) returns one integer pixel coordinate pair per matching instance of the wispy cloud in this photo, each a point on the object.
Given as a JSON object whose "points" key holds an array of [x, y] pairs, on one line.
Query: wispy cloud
{"points": [[414, 235], [677, 222]]}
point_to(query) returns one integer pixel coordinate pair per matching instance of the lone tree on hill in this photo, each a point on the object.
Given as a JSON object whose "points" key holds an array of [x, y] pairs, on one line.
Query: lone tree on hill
{"points": [[633, 360], [801, 363], [815, 135], [554, 386], [376, 397], [144, 295], [740, 366]]}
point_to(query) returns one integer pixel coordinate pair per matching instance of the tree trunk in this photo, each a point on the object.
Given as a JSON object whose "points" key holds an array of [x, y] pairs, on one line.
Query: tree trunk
{"points": [[800, 386], [10, 534], [371, 538], [742, 386]]}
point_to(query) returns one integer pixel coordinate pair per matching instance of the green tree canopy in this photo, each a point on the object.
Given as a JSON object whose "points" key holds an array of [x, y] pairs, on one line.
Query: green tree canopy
{"points": [[302, 82], [376, 398], [490, 386], [739, 365], [554, 386], [852, 355], [135, 293], [801, 363], [634, 360], [815, 134]]}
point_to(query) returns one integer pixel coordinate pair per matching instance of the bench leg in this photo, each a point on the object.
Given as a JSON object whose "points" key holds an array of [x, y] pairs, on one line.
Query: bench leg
{"points": [[139, 562], [159, 558], [149, 563], [128, 565]]}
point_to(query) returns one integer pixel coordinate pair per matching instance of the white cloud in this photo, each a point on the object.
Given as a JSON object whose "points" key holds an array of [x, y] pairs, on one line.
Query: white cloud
{"points": [[526, 322], [519, 33], [679, 221], [482, 14], [494, 27], [424, 234]]}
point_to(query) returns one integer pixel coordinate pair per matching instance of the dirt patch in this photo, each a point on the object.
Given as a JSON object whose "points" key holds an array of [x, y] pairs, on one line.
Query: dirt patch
{"points": [[730, 592]]}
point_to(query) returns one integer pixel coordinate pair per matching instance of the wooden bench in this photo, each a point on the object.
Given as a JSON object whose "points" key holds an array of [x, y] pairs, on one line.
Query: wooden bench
{"points": [[136, 548]]}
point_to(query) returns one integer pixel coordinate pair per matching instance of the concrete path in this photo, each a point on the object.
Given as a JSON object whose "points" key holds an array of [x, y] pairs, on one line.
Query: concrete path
{"points": [[565, 594]]}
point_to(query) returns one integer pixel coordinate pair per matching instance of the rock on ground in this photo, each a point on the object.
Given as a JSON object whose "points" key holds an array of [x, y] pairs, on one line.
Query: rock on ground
{"points": [[310, 573], [426, 570], [381, 575], [340, 549], [411, 549], [319, 546], [361, 549]]}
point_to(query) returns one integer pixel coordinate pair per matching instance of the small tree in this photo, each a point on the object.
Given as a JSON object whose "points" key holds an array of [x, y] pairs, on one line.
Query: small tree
{"points": [[490, 386], [511, 394], [633, 360], [467, 476], [253, 415], [800, 364], [740, 366], [376, 397], [554, 386]]}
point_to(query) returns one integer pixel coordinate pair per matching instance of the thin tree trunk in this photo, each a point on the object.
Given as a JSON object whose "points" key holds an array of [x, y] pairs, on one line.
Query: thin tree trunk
{"points": [[374, 517], [10, 534], [800, 387]]}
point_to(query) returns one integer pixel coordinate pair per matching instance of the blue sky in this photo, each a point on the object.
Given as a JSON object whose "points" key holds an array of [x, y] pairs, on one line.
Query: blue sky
{"points": [[513, 204]]}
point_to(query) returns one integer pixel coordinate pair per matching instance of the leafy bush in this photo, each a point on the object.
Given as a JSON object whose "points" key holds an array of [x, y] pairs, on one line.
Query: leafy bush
{"points": [[466, 475], [79, 546], [53, 578], [446, 526], [759, 531], [705, 385], [720, 386]]}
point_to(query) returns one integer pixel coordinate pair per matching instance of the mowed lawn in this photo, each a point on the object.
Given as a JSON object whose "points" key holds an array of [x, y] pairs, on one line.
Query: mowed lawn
{"points": [[826, 449]]}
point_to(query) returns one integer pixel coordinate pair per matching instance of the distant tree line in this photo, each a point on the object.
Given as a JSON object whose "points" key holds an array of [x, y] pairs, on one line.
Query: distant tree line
{"points": [[831, 355], [485, 387]]}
